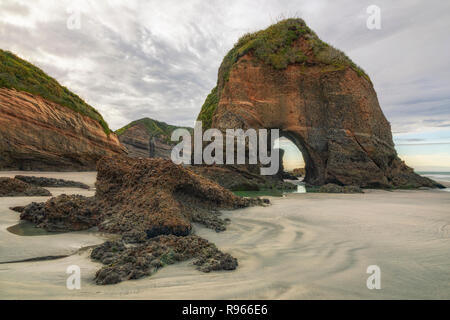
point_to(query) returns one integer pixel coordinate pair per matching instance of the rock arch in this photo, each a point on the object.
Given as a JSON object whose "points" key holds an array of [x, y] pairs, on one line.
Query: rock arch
{"points": [[326, 106]]}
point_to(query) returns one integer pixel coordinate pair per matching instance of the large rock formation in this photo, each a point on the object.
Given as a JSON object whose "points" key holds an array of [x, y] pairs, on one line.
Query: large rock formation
{"points": [[148, 138], [44, 126], [285, 77], [139, 198], [152, 203], [157, 197]]}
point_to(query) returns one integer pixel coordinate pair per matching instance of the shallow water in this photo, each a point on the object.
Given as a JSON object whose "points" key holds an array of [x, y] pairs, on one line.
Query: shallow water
{"points": [[25, 228]]}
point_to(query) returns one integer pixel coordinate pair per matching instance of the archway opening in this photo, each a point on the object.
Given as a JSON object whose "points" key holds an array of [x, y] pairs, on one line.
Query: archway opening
{"points": [[292, 159]]}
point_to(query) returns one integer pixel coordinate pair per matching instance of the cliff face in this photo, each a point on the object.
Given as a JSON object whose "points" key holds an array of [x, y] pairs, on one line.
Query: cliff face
{"points": [[147, 138], [37, 134], [137, 141], [286, 78], [140, 143]]}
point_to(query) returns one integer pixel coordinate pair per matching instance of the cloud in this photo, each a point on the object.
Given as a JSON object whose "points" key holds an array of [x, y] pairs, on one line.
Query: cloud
{"points": [[14, 8], [160, 59]]}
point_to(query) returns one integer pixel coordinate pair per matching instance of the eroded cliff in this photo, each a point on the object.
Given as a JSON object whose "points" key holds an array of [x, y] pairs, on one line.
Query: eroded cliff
{"points": [[37, 134]]}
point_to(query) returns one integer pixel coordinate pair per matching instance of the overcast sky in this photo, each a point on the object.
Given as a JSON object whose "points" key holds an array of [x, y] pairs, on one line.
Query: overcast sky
{"points": [[132, 59]]}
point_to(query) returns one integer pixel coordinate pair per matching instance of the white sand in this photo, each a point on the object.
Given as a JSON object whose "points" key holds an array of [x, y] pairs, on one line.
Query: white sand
{"points": [[305, 246]]}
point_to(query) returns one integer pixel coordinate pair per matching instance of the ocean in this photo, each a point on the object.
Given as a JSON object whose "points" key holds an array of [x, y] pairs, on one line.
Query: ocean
{"points": [[437, 176]]}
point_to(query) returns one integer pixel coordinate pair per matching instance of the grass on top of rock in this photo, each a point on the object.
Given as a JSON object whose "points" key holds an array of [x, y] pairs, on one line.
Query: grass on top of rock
{"points": [[155, 128], [272, 45], [16, 73], [275, 47]]}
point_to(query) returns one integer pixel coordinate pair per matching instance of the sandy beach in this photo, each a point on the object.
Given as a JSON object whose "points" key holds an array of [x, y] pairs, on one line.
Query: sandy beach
{"points": [[303, 246]]}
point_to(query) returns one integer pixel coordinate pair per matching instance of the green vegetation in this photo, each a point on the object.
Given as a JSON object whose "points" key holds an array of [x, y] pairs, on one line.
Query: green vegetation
{"points": [[275, 46], [155, 128], [208, 108], [168, 258], [16, 73], [328, 55]]}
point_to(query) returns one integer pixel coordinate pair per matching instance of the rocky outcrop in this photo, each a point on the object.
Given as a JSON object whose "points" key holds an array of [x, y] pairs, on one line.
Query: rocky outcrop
{"points": [[148, 138], [124, 262], [51, 182], [16, 188], [139, 198], [37, 134], [63, 213], [285, 77], [157, 197], [152, 203]]}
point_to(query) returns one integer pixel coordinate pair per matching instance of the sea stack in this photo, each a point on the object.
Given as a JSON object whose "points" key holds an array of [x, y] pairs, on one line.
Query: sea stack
{"points": [[285, 77]]}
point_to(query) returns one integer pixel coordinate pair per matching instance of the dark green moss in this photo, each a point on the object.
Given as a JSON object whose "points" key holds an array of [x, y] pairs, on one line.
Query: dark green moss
{"points": [[16, 73], [155, 128]]}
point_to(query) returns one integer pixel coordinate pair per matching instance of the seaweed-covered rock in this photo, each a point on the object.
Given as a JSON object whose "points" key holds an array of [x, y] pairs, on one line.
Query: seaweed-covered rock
{"points": [[15, 188], [125, 262], [63, 213], [158, 197], [51, 182], [152, 204], [137, 196]]}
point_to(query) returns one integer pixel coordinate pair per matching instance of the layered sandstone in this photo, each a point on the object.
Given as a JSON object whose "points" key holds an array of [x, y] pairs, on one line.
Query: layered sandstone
{"points": [[37, 134], [285, 77]]}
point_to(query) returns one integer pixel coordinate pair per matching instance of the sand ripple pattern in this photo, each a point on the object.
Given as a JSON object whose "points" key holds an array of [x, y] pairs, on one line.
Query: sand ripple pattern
{"points": [[305, 246]]}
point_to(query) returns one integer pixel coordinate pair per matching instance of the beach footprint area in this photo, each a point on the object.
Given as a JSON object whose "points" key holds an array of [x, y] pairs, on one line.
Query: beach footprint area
{"points": [[303, 246]]}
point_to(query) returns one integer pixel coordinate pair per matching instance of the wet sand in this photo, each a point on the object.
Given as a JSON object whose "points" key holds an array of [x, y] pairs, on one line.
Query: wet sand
{"points": [[303, 246]]}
